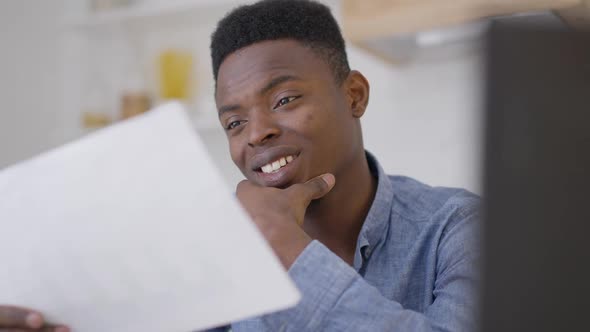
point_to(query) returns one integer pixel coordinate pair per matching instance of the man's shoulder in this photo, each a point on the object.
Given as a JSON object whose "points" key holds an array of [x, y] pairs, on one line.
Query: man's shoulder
{"points": [[418, 201]]}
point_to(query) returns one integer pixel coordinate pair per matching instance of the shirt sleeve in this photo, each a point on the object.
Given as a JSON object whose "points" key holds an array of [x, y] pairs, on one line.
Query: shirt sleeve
{"points": [[336, 298], [218, 329]]}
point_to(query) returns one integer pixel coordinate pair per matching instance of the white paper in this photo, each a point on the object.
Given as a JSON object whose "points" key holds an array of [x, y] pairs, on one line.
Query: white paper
{"points": [[132, 229]]}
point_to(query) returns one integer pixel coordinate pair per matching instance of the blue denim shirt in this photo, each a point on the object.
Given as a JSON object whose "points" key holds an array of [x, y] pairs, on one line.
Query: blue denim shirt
{"points": [[415, 267]]}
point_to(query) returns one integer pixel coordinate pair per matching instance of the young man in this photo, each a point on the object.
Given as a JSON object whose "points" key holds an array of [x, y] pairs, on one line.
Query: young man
{"points": [[369, 252]]}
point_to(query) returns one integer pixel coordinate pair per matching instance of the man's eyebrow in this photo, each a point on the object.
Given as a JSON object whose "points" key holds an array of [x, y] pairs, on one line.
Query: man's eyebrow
{"points": [[227, 108], [277, 81], [269, 86]]}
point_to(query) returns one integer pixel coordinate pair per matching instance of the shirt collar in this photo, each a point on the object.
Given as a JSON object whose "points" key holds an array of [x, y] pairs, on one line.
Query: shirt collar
{"points": [[375, 225]]}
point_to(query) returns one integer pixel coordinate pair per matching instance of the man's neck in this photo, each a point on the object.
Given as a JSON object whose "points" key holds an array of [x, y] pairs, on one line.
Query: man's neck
{"points": [[337, 219]]}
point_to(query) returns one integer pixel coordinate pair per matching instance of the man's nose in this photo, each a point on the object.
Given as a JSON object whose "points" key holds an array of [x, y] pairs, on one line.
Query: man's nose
{"points": [[262, 128]]}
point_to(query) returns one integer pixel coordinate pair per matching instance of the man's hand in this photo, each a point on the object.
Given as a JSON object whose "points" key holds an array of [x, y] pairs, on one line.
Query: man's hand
{"points": [[279, 213], [15, 319]]}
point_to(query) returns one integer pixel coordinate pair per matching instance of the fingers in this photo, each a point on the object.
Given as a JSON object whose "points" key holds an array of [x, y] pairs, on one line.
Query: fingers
{"points": [[315, 188], [43, 329], [17, 319], [242, 185], [11, 316], [53, 329]]}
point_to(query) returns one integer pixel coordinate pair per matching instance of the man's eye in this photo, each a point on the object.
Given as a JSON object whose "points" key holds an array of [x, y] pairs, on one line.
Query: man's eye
{"points": [[285, 101], [233, 124]]}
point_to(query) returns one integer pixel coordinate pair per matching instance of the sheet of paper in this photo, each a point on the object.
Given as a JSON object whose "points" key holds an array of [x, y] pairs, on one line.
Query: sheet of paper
{"points": [[132, 229]]}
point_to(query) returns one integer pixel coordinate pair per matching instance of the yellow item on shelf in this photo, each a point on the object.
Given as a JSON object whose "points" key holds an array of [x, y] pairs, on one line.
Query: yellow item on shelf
{"points": [[175, 74], [93, 120], [133, 104]]}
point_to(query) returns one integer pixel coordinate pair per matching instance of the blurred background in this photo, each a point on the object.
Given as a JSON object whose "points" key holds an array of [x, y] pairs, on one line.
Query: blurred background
{"points": [[70, 67]]}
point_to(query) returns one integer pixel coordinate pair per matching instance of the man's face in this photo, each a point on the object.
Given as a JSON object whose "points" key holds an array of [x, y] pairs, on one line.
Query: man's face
{"points": [[286, 118]]}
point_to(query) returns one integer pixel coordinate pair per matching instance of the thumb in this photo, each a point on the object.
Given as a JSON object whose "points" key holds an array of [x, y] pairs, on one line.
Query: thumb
{"points": [[315, 188]]}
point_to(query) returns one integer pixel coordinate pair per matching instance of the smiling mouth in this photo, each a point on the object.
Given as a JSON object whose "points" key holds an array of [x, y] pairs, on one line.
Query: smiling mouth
{"points": [[276, 165]]}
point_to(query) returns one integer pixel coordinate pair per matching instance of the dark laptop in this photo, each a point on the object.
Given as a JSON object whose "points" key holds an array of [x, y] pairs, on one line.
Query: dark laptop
{"points": [[536, 234]]}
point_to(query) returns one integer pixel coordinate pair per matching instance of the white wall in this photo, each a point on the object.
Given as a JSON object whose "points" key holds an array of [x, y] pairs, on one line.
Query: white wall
{"points": [[29, 77], [423, 118]]}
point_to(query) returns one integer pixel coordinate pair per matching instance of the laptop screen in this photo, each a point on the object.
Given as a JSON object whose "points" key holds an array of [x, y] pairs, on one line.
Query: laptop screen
{"points": [[536, 235]]}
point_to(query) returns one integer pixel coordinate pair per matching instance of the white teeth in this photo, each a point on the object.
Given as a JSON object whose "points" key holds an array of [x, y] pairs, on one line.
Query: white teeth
{"points": [[276, 165], [267, 168]]}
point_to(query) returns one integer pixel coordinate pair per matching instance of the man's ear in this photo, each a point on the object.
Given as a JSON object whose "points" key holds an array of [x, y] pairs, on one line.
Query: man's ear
{"points": [[357, 91]]}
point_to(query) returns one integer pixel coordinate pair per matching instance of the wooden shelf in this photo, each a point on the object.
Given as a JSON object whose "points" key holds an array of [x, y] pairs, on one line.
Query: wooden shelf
{"points": [[577, 17], [379, 26], [138, 46], [363, 20]]}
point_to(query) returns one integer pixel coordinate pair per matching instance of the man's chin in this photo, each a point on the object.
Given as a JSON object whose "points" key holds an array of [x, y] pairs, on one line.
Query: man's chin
{"points": [[284, 185], [267, 180]]}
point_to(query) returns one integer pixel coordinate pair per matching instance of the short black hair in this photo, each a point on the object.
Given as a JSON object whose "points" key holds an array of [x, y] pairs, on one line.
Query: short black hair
{"points": [[308, 22]]}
